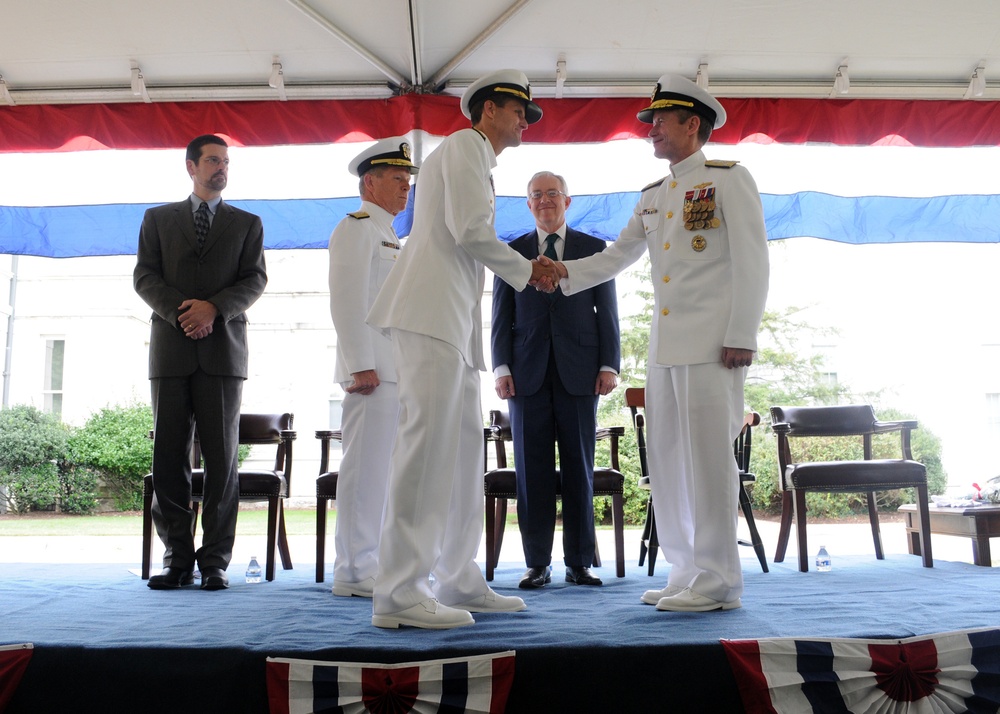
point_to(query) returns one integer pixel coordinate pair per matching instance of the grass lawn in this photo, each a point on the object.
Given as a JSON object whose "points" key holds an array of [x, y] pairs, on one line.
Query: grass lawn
{"points": [[250, 522]]}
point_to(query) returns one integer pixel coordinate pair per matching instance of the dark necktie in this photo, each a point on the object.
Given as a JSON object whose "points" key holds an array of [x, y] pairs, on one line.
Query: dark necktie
{"points": [[201, 224], [550, 249]]}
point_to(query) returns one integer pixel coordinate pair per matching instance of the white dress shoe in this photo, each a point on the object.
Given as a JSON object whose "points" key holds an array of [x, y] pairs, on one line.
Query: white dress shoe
{"points": [[651, 597], [343, 588], [689, 601], [492, 602], [429, 614]]}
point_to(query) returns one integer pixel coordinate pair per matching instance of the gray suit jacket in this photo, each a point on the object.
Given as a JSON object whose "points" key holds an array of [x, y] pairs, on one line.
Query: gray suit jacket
{"points": [[229, 272]]}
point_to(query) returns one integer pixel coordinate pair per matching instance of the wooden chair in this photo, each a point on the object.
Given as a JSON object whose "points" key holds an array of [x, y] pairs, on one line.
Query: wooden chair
{"points": [[500, 485], [326, 491], [742, 448], [271, 485], [635, 400], [866, 476]]}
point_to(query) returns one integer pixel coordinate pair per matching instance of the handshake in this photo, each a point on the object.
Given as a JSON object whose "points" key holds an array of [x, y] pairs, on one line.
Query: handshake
{"points": [[546, 274]]}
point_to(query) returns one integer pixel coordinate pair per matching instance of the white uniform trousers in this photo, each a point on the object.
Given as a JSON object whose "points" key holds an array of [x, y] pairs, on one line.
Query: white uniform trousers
{"points": [[694, 412], [369, 427], [434, 509]]}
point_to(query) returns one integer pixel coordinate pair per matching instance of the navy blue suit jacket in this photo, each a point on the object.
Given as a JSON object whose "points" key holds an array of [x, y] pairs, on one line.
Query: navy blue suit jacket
{"points": [[582, 329]]}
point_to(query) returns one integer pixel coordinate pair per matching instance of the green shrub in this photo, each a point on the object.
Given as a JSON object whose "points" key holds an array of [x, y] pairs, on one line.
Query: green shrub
{"points": [[114, 444], [32, 488], [34, 471], [79, 490]]}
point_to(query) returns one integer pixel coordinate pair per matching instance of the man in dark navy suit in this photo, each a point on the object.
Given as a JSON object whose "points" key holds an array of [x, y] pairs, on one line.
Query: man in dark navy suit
{"points": [[553, 355]]}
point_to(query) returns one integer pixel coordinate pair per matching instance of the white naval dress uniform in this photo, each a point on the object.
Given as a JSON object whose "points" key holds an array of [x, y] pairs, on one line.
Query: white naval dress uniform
{"points": [[431, 304], [710, 286], [363, 249]]}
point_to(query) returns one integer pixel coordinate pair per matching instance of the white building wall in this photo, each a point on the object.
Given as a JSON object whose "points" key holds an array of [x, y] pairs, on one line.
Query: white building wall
{"points": [[915, 322]]}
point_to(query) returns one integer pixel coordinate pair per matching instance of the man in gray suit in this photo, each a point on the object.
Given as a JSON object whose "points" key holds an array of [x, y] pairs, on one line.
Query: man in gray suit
{"points": [[200, 265]]}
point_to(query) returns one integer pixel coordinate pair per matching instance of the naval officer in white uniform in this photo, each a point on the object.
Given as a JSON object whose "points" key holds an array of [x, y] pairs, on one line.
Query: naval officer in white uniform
{"points": [[431, 305], [363, 248], [703, 226]]}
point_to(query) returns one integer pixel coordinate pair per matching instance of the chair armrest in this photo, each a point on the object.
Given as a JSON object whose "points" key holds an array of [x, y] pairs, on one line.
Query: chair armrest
{"points": [[289, 435], [613, 433], [781, 428], [882, 427], [325, 437], [608, 432], [904, 427]]}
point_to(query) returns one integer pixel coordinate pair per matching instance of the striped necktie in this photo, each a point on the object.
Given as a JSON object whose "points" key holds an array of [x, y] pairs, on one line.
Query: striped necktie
{"points": [[201, 224]]}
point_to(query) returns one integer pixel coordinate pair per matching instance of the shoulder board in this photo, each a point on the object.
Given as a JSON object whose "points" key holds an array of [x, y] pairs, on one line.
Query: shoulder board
{"points": [[359, 215], [721, 164], [654, 184]]}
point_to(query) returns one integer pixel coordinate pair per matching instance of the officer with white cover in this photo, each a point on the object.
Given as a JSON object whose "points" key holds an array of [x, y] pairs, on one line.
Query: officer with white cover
{"points": [[363, 248]]}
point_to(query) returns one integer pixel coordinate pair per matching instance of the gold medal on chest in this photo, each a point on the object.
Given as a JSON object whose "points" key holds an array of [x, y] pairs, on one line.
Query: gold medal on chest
{"points": [[698, 243]]}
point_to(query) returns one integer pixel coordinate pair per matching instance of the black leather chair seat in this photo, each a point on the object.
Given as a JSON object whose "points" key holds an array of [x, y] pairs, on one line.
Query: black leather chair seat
{"points": [[872, 475], [253, 484], [502, 483]]}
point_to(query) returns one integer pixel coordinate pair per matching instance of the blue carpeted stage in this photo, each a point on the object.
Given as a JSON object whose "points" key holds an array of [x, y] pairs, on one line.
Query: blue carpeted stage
{"points": [[104, 642]]}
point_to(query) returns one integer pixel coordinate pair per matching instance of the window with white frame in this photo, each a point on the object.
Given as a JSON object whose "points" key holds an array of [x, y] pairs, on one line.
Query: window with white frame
{"points": [[52, 390], [992, 417], [827, 376]]}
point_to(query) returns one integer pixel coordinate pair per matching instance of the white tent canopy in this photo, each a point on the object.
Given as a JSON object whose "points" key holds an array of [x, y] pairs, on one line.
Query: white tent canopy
{"points": [[66, 52]]}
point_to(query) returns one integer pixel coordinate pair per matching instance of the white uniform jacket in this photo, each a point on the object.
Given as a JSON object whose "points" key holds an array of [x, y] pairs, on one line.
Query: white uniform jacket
{"points": [[363, 249], [436, 287], [704, 228]]}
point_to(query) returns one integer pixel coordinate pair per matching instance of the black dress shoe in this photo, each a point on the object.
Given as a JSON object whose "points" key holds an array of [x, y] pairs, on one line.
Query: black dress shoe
{"points": [[582, 576], [214, 579], [535, 578], [171, 579]]}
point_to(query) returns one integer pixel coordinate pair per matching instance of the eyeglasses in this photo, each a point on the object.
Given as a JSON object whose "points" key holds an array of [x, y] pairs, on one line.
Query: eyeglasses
{"points": [[215, 160], [551, 193]]}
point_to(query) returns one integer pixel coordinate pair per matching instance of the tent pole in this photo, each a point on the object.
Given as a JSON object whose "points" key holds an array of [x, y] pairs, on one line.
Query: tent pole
{"points": [[10, 331]]}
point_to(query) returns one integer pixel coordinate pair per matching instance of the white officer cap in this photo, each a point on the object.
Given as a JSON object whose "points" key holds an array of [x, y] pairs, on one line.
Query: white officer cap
{"points": [[394, 151], [674, 91], [506, 81]]}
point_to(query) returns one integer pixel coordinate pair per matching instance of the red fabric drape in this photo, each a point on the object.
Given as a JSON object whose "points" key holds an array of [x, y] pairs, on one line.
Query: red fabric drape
{"points": [[74, 127]]}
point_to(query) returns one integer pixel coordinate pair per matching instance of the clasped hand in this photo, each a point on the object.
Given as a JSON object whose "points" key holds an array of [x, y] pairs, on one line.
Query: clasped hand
{"points": [[196, 318], [546, 274]]}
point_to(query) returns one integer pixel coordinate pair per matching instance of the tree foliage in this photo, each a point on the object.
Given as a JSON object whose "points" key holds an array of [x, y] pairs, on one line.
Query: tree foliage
{"points": [[783, 374]]}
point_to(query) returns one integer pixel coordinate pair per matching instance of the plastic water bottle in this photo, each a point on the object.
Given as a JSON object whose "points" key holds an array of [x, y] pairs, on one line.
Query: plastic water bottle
{"points": [[822, 560], [253, 570]]}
